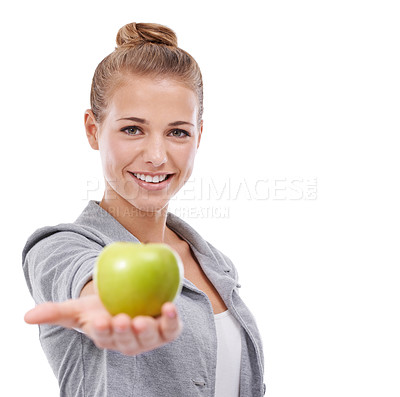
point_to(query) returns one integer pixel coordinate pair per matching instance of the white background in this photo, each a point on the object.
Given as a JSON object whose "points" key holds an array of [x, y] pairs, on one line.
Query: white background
{"points": [[304, 91]]}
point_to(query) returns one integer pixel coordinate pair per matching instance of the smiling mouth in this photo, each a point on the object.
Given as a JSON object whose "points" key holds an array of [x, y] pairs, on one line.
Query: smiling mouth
{"points": [[151, 179]]}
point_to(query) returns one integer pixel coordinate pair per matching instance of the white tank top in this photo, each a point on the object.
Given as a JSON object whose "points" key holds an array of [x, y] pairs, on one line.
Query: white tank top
{"points": [[228, 355]]}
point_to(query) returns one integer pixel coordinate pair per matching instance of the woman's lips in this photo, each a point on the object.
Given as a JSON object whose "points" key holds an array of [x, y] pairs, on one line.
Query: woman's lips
{"points": [[151, 185]]}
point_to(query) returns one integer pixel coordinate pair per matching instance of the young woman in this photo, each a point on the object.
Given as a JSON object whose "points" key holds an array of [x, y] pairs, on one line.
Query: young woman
{"points": [[146, 121]]}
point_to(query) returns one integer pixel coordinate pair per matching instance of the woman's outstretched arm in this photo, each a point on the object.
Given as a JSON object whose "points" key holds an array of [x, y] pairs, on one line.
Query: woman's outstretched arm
{"points": [[120, 333]]}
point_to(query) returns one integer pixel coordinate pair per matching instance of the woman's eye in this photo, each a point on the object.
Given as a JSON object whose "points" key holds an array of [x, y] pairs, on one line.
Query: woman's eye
{"points": [[179, 133], [131, 130]]}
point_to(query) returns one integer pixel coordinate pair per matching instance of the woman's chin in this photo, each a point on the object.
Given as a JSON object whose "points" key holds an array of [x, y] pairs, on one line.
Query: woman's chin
{"points": [[149, 207]]}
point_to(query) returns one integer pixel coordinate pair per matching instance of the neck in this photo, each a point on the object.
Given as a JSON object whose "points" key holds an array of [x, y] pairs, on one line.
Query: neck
{"points": [[147, 227]]}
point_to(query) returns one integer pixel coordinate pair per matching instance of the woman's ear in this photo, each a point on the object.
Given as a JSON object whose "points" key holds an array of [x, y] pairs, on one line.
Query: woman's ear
{"points": [[92, 129], [200, 132]]}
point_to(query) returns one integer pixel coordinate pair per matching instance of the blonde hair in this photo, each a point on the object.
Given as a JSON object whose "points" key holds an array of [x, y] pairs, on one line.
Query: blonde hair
{"points": [[144, 49]]}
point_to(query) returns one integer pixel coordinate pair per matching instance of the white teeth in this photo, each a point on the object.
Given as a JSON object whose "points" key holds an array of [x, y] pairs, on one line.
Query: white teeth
{"points": [[148, 178]]}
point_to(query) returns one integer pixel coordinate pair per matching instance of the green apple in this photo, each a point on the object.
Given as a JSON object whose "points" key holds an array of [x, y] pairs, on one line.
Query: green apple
{"points": [[137, 279]]}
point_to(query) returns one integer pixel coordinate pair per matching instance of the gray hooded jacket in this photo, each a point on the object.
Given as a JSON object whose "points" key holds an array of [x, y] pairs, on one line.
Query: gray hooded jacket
{"points": [[58, 261]]}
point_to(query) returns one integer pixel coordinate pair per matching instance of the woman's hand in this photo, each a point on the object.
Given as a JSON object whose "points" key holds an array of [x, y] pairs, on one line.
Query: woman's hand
{"points": [[121, 333]]}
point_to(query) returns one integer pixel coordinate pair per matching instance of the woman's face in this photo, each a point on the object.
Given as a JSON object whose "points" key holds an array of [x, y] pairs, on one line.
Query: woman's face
{"points": [[148, 141]]}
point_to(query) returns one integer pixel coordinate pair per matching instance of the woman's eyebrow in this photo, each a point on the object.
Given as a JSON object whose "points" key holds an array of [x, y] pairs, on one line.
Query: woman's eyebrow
{"points": [[175, 123], [143, 121], [137, 119]]}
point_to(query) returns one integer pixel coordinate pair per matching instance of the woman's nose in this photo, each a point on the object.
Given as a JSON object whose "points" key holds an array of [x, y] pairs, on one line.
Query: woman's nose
{"points": [[155, 151]]}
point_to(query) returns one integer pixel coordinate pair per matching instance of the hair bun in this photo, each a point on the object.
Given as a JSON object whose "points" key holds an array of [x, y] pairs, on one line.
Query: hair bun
{"points": [[139, 33]]}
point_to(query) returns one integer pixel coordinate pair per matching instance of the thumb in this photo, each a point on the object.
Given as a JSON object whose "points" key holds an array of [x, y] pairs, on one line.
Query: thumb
{"points": [[65, 314]]}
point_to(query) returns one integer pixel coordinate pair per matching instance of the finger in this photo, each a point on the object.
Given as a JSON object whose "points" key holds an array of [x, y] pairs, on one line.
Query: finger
{"points": [[99, 329], [170, 326], [146, 331], [64, 314], [124, 338]]}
